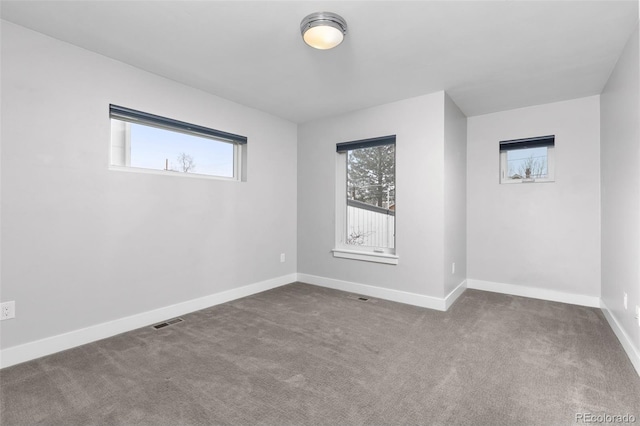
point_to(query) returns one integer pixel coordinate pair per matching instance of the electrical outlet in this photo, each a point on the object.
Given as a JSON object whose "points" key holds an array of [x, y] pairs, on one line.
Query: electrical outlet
{"points": [[282, 257], [453, 268], [7, 310], [638, 314], [625, 301]]}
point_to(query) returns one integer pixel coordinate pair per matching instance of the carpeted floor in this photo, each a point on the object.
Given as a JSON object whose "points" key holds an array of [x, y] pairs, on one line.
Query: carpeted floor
{"points": [[305, 355]]}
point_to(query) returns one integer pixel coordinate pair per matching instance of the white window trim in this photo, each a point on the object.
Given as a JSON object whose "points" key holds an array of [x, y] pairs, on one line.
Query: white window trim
{"points": [[171, 173], [390, 259], [342, 249], [238, 158], [551, 167]]}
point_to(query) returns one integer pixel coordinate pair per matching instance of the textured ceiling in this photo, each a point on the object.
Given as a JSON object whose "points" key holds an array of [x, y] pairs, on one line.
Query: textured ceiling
{"points": [[488, 55]]}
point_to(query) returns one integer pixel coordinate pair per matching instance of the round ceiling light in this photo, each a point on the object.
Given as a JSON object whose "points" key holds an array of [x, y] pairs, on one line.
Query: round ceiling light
{"points": [[323, 30]]}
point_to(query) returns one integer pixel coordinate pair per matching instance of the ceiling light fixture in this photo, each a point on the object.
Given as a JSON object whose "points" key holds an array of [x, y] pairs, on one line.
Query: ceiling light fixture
{"points": [[323, 30]]}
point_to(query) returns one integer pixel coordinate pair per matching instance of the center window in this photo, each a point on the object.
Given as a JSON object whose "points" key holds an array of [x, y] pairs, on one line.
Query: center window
{"points": [[366, 198]]}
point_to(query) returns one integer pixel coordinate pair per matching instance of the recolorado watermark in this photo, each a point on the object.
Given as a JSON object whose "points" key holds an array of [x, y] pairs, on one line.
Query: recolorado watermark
{"points": [[605, 418]]}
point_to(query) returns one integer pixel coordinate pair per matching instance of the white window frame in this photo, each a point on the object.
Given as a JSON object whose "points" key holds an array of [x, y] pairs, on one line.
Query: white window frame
{"points": [[120, 144], [551, 166], [342, 249]]}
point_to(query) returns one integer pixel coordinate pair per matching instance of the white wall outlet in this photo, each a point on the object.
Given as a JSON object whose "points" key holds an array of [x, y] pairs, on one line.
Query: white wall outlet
{"points": [[625, 301], [453, 267], [638, 314], [282, 257], [7, 310]]}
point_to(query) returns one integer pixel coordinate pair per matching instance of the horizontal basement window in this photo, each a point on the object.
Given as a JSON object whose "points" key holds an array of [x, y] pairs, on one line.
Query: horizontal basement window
{"points": [[527, 160], [143, 141]]}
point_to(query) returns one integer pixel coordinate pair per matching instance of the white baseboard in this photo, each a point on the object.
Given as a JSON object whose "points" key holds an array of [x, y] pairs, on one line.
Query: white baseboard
{"points": [[535, 293], [32, 350], [454, 294], [632, 352], [440, 304]]}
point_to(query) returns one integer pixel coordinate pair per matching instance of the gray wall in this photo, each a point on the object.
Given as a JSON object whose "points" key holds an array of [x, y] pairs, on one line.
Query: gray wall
{"points": [[540, 235], [419, 126], [620, 162], [455, 195], [84, 245], [430, 177]]}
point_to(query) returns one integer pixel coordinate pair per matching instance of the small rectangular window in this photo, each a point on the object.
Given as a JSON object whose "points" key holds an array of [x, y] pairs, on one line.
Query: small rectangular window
{"points": [[527, 160], [145, 141], [366, 201]]}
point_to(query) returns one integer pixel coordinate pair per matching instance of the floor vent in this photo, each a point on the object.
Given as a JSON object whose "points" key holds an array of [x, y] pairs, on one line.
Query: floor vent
{"points": [[167, 323], [361, 298]]}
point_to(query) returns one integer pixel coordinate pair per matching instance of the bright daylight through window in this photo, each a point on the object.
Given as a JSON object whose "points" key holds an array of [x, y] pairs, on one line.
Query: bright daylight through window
{"points": [[527, 160], [366, 203], [146, 141]]}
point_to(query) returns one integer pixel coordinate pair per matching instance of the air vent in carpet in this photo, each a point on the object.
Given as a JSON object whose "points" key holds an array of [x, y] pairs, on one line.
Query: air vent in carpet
{"points": [[167, 323], [361, 298]]}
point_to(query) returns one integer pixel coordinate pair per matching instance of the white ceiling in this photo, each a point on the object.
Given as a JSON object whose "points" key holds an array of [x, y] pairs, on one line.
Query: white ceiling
{"points": [[488, 55]]}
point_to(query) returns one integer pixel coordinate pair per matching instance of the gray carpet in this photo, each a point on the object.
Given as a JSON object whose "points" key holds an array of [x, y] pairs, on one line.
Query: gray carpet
{"points": [[305, 355]]}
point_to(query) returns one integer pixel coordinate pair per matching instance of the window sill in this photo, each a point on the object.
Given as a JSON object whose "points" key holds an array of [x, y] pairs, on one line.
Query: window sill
{"points": [[389, 259], [517, 181], [169, 173]]}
